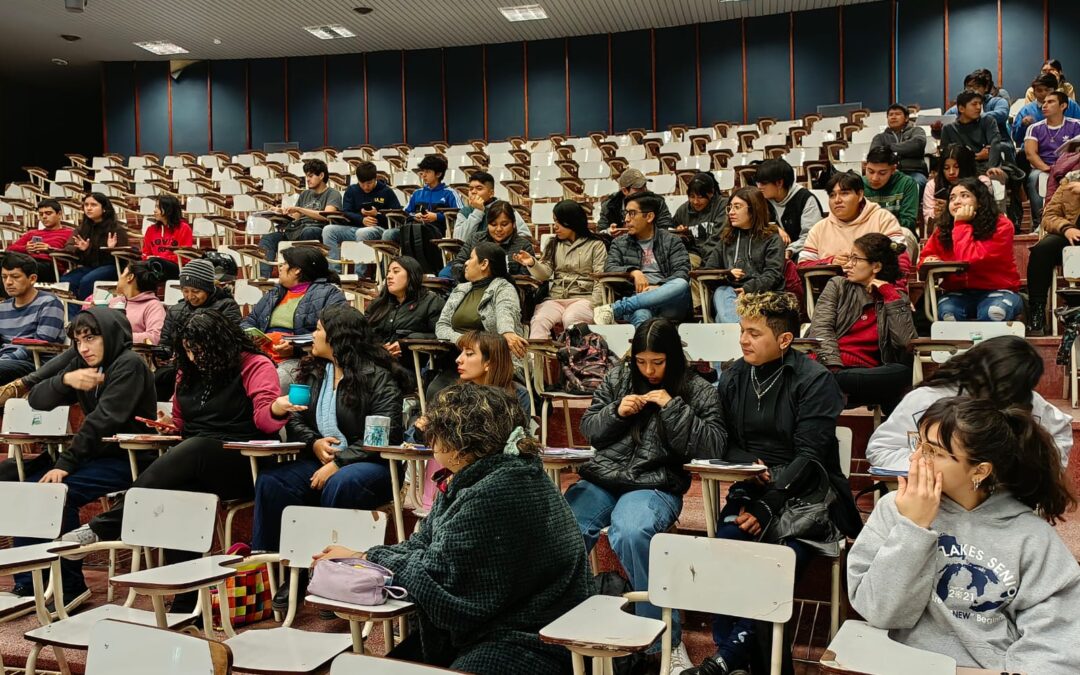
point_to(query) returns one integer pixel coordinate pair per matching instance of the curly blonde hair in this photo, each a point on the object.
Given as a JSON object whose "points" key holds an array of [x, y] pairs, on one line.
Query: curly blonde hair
{"points": [[475, 421], [779, 310]]}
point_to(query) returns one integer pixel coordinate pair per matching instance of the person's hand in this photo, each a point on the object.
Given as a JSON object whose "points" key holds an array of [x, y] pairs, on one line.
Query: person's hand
{"points": [[919, 495], [738, 273], [680, 229], [319, 478], [83, 379], [476, 203], [965, 212], [998, 174], [763, 478], [334, 552], [748, 523], [739, 291], [369, 211], [1027, 120], [80, 243], [281, 406], [784, 236], [370, 221], [421, 423], [324, 449], [110, 241], [54, 476], [37, 247], [517, 344], [631, 404], [1072, 235], [284, 349], [931, 258], [982, 155], [877, 283], [641, 283], [429, 217], [394, 348], [617, 231], [165, 418], [524, 258], [841, 259], [939, 207], [658, 396]]}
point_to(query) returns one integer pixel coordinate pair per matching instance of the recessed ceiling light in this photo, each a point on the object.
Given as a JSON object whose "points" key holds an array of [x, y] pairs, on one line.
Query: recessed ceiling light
{"points": [[70, 38], [330, 32], [524, 13], [363, 10], [161, 48]]}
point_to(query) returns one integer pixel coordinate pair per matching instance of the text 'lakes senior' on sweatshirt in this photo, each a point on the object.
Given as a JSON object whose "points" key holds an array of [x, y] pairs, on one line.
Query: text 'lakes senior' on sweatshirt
{"points": [[994, 587]]}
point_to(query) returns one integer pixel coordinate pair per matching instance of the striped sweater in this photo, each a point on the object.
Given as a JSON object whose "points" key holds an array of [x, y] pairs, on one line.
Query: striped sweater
{"points": [[41, 319]]}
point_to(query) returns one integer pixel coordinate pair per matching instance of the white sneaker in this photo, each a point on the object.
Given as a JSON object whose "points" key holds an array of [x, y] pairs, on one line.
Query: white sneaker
{"points": [[83, 536], [680, 660], [603, 315]]}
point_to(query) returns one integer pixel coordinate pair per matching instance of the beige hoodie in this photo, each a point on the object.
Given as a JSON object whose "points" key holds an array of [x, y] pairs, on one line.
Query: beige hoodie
{"points": [[832, 236]]}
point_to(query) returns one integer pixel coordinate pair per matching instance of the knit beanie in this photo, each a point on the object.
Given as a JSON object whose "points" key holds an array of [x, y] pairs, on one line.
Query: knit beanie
{"points": [[198, 274]]}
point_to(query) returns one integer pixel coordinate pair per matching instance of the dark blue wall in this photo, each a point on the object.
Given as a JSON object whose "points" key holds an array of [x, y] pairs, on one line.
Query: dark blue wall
{"points": [[839, 54]]}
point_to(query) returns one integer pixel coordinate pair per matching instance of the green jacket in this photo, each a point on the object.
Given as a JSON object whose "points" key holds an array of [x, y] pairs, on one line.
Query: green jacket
{"points": [[900, 197]]}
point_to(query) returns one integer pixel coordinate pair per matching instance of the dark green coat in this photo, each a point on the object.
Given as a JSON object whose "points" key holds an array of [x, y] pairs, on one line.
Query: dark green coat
{"points": [[499, 557]]}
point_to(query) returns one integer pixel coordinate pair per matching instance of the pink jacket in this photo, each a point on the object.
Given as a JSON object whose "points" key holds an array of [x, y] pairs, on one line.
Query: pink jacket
{"points": [[146, 315], [262, 386]]}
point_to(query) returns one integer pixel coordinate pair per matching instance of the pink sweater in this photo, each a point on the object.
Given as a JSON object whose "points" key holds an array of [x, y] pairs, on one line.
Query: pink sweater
{"points": [[146, 315], [261, 384]]}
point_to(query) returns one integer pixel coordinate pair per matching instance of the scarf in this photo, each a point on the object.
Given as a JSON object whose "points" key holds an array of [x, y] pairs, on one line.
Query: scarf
{"points": [[326, 409]]}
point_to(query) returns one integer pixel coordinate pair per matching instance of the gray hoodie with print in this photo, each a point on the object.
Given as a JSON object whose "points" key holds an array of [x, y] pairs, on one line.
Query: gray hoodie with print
{"points": [[994, 587]]}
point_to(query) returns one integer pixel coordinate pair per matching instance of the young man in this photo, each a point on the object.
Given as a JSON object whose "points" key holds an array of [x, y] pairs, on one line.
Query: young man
{"points": [[307, 221], [890, 189], [781, 409], [658, 263], [631, 182], [907, 140], [972, 129], [1032, 112], [362, 205], [26, 313], [1041, 143], [112, 385], [473, 215], [794, 207], [51, 235], [994, 107], [424, 204]]}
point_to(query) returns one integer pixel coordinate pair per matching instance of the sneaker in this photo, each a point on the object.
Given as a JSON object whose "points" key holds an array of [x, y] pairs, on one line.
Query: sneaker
{"points": [[680, 660], [604, 315], [83, 536], [22, 590], [714, 665]]}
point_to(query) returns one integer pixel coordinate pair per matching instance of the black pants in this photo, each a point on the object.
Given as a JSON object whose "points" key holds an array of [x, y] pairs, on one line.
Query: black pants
{"points": [[1045, 256], [884, 385]]}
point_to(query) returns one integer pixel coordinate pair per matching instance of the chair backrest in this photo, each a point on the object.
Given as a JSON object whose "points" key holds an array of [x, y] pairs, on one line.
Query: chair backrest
{"points": [[617, 336], [711, 342], [169, 519], [357, 252], [307, 530], [172, 293], [121, 648], [34, 510], [972, 330], [246, 294], [722, 576], [1070, 262], [360, 664], [20, 418], [543, 213], [844, 442]]}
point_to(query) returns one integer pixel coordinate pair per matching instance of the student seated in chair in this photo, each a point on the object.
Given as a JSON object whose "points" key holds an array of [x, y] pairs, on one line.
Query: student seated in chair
{"points": [[612, 219], [362, 204], [500, 230], [751, 247], [658, 264], [307, 221], [962, 559], [973, 231], [1061, 229], [906, 140], [701, 217], [25, 313], [498, 557], [978, 132], [424, 204], [794, 208], [404, 308], [169, 232], [136, 296], [1042, 141], [112, 385], [474, 214], [651, 415], [1005, 369], [865, 324], [51, 235], [890, 189], [99, 229], [954, 162]]}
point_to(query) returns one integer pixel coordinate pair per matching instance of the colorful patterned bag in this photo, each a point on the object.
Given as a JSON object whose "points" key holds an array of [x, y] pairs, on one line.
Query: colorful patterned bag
{"points": [[249, 594]]}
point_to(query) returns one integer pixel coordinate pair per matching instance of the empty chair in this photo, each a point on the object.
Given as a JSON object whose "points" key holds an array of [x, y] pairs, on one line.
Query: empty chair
{"points": [[119, 648]]}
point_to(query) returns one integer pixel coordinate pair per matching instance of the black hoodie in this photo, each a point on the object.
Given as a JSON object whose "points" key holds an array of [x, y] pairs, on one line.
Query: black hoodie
{"points": [[128, 390]]}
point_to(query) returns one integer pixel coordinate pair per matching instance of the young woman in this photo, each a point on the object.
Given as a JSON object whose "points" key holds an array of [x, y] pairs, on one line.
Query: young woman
{"points": [[651, 415], [136, 295], [485, 359], [865, 324], [751, 247], [498, 557], [702, 216], [962, 560], [169, 232], [306, 286], [226, 390], [403, 308], [956, 162], [99, 229], [487, 301], [351, 377], [1061, 229], [502, 231], [567, 265], [973, 231], [1053, 67], [1003, 369]]}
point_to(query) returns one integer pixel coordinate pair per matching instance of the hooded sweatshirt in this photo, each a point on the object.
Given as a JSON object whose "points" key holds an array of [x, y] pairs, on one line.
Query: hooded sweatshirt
{"points": [[899, 196], [355, 200], [808, 216], [146, 315], [832, 236], [704, 225], [128, 391], [994, 587], [992, 263]]}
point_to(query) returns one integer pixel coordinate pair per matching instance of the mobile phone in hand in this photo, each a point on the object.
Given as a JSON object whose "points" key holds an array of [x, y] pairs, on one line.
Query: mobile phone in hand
{"points": [[160, 426]]}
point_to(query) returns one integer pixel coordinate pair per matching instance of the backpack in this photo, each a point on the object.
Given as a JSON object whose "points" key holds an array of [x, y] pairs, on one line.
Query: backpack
{"points": [[584, 358], [417, 242]]}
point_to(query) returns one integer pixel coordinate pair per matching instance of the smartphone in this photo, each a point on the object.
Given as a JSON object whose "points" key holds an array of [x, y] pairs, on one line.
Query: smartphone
{"points": [[258, 336], [36, 240], [156, 424]]}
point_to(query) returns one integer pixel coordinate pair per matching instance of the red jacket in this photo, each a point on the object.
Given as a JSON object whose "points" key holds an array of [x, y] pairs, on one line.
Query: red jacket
{"points": [[157, 243], [56, 239], [992, 264]]}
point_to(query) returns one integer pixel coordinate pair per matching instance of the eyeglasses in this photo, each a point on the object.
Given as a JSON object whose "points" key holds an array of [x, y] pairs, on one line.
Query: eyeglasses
{"points": [[633, 213], [734, 206], [854, 259], [929, 450]]}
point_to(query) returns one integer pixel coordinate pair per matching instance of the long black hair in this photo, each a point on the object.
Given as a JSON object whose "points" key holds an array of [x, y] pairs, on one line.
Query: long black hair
{"points": [[414, 288], [660, 336], [108, 212], [1024, 457], [572, 216], [965, 162], [311, 263], [880, 249], [148, 274], [350, 337], [496, 258], [170, 211], [983, 224], [1003, 369], [218, 345]]}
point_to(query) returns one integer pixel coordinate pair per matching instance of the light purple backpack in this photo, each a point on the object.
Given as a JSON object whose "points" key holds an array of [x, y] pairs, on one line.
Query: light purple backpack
{"points": [[353, 580]]}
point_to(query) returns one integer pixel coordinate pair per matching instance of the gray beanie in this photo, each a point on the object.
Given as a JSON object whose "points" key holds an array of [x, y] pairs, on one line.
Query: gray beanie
{"points": [[198, 274]]}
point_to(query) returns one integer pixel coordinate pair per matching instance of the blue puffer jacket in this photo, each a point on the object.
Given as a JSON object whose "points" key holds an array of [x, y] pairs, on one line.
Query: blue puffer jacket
{"points": [[320, 295]]}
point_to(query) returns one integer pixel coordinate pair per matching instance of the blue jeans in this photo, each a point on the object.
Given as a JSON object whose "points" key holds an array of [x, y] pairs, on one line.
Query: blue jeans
{"points": [[91, 481], [391, 234], [82, 279], [632, 519], [921, 179], [670, 300], [724, 298], [269, 244], [360, 485], [1034, 197], [334, 235], [980, 306], [735, 636]]}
